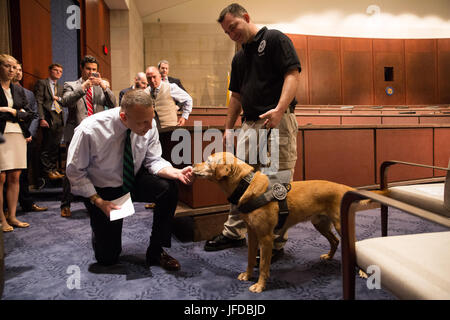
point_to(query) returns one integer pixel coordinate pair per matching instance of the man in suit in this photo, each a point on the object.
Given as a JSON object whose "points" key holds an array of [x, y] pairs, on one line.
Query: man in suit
{"points": [[163, 67], [83, 97], [167, 96], [140, 82], [48, 93]]}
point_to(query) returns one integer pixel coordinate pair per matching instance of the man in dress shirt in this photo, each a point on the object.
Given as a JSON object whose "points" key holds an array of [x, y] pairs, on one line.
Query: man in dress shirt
{"points": [[48, 94], [96, 170], [140, 82], [166, 95]]}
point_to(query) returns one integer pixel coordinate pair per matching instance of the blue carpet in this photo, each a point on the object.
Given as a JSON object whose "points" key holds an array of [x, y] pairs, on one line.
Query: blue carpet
{"points": [[39, 262]]}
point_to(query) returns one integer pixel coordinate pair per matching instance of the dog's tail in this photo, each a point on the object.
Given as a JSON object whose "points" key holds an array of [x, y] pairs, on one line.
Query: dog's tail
{"points": [[368, 202]]}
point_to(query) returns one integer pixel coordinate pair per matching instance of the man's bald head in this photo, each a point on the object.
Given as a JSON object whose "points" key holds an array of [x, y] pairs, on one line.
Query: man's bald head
{"points": [[153, 77], [140, 81]]}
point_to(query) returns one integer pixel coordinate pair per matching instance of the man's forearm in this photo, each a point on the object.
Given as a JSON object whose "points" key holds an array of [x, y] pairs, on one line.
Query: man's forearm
{"points": [[234, 110], [289, 90]]}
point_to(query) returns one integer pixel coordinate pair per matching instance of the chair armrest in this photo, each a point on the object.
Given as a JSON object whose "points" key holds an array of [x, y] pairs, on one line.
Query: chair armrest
{"points": [[386, 164], [348, 235], [356, 195]]}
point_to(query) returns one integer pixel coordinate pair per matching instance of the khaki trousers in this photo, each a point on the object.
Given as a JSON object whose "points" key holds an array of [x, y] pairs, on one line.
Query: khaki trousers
{"points": [[286, 148]]}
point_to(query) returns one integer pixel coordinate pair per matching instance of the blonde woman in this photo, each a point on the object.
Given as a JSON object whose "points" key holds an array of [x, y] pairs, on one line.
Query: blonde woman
{"points": [[14, 119]]}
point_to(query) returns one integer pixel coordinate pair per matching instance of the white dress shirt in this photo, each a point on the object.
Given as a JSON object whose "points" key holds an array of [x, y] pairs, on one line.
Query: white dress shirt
{"points": [[182, 98], [95, 155]]}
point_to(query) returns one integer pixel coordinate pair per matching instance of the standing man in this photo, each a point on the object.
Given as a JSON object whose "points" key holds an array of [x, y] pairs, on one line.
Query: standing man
{"points": [[167, 96], [116, 152], [163, 67], [264, 77], [140, 82], [48, 93], [83, 98]]}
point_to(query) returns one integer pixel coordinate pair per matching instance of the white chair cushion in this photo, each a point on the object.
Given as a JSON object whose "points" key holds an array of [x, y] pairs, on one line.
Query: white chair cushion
{"points": [[426, 196], [412, 266]]}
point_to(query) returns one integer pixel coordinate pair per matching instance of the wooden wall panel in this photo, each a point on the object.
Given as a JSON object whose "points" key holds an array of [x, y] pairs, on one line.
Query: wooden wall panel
{"points": [[357, 71], [91, 30], [97, 33], [443, 70], [410, 145], [344, 156], [389, 53], [300, 44], [441, 149], [324, 70], [421, 75], [45, 4], [36, 41]]}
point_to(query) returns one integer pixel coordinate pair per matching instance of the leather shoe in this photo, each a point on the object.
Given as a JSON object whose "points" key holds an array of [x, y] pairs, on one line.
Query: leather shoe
{"points": [[276, 255], [36, 208], [221, 242], [55, 175], [165, 261], [65, 212]]}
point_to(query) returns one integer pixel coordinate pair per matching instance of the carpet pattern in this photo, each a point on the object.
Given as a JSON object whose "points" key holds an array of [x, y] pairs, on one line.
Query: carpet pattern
{"points": [[43, 262]]}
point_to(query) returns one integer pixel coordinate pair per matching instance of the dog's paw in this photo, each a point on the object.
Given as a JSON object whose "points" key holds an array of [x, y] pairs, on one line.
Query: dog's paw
{"points": [[257, 288], [244, 276], [326, 256]]}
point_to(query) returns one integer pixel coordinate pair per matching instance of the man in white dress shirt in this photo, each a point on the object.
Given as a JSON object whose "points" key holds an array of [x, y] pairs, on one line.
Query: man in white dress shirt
{"points": [[168, 97], [95, 168]]}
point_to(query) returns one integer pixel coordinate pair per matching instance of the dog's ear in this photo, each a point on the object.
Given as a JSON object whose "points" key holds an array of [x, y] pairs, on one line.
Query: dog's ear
{"points": [[222, 170]]}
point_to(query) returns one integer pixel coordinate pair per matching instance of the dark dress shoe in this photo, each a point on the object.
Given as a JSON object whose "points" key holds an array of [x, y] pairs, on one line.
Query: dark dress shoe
{"points": [[221, 242], [276, 255], [165, 261], [65, 212], [36, 208]]}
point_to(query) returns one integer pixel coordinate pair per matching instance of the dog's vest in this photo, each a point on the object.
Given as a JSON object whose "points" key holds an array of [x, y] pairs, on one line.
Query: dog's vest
{"points": [[277, 190]]}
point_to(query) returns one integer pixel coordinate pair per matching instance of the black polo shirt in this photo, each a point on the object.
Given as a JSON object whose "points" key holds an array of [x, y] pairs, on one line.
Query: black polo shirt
{"points": [[258, 69]]}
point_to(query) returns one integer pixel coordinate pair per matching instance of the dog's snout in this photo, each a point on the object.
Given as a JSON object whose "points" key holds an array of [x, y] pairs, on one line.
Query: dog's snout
{"points": [[199, 169]]}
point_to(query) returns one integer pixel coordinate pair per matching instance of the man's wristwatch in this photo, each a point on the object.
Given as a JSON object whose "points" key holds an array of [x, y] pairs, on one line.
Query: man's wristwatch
{"points": [[93, 198]]}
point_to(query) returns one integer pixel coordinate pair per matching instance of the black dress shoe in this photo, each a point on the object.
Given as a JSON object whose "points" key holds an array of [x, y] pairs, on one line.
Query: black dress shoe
{"points": [[221, 242], [165, 261], [276, 255]]}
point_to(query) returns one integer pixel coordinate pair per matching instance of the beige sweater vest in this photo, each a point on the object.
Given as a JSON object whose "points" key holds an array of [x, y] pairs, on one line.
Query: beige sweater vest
{"points": [[165, 107]]}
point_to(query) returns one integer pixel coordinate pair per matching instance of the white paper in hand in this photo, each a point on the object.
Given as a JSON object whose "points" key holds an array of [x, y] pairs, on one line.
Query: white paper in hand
{"points": [[126, 208]]}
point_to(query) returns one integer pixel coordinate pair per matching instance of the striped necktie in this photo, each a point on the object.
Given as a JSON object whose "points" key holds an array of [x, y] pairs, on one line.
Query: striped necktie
{"points": [[58, 108], [128, 165], [90, 108]]}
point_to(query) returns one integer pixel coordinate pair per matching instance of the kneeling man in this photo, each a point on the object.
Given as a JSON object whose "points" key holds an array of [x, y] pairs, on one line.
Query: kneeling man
{"points": [[97, 171]]}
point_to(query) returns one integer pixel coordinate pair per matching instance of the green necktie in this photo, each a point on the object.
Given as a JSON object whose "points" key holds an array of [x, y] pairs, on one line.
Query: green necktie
{"points": [[128, 165]]}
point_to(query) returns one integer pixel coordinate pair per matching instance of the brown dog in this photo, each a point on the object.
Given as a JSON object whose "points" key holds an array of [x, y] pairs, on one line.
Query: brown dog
{"points": [[315, 200]]}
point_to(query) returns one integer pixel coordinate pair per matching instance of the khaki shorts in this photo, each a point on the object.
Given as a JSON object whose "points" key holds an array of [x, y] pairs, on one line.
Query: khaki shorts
{"points": [[284, 144]]}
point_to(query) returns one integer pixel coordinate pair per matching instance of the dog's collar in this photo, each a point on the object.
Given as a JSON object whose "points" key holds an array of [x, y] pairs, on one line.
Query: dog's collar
{"points": [[240, 189]]}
